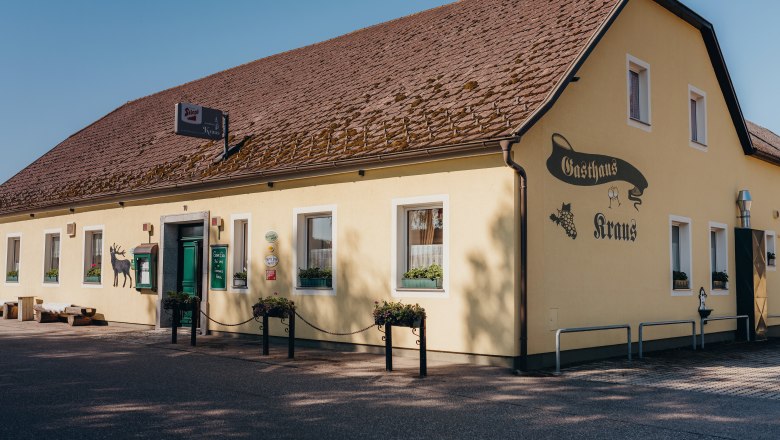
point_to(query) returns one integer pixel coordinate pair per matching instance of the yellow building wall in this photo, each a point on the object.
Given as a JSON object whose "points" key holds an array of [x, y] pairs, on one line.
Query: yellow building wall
{"points": [[588, 281], [476, 315]]}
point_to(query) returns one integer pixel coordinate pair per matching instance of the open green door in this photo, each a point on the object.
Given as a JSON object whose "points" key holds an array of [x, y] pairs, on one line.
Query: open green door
{"points": [[189, 273]]}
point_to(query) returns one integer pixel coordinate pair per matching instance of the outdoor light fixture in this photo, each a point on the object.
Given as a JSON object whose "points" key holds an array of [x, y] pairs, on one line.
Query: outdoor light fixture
{"points": [[72, 210], [32, 215], [71, 228], [744, 201], [122, 204], [270, 184], [362, 172]]}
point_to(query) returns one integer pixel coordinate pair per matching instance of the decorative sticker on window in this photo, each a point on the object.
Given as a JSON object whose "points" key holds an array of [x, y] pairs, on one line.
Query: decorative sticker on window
{"points": [[585, 169]]}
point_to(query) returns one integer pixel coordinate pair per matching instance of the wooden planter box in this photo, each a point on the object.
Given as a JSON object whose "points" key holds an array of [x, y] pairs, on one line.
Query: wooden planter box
{"points": [[416, 324], [770, 262], [315, 282], [93, 280], [421, 283], [51, 279], [720, 285], [11, 279], [682, 284]]}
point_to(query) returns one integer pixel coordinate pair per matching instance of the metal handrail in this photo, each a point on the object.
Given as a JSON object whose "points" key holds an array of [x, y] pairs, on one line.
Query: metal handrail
{"points": [[683, 321], [587, 329], [721, 318]]}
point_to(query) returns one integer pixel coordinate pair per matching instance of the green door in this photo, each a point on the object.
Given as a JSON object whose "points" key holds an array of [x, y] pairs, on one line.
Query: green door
{"points": [[190, 276]]}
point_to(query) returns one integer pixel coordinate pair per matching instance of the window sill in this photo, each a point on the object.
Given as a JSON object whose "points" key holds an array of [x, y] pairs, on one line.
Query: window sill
{"points": [[682, 292], [405, 292], [92, 285], [719, 292], [698, 145], [314, 291], [771, 267], [638, 123]]}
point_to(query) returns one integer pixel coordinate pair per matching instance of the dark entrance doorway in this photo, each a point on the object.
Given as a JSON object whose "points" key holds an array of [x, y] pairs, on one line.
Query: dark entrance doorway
{"points": [[189, 277]]}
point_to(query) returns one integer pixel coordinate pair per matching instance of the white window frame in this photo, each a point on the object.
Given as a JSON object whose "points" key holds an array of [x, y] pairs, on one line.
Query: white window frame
{"points": [[46, 234], [686, 253], [770, 238], [299, 244], [234, 245], [5, 276], [643, 68], [398, 245], [701, 116], [84, 232], [722, 251]]}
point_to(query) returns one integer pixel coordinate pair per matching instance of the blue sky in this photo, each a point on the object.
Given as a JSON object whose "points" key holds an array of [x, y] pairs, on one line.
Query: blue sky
{"points": [[66, 64]]}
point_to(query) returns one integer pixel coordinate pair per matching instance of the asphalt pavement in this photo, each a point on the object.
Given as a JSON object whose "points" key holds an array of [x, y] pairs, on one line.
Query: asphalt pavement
{"points": [[115, 382]]}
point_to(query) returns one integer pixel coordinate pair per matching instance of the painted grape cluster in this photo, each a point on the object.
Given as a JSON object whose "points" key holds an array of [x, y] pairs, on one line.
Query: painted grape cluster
{"points": [[565, 219]]}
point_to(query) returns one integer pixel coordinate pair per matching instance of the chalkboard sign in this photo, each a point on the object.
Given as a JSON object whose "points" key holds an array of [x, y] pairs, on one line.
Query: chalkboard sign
{"points": [[219, 267]]}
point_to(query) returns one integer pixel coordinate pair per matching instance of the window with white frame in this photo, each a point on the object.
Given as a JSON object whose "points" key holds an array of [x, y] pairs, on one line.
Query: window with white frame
{"points": [[420, 245], [241, 242], [13, 258], [315, 250], [719, 257], [93, 256], [638, 92], [697, 109], [51, 262], [771, 261], [680, 238]]}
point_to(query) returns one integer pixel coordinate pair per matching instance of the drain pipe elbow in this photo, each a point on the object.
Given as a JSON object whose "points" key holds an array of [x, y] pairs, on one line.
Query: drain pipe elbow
{"points": [[522, 243]]}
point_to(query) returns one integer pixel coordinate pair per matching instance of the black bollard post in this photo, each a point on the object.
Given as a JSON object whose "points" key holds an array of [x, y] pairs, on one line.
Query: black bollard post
{"points": [[195, 316], [291, 338], [174, 322], [265, 334], [423, 351], [388, 347]]}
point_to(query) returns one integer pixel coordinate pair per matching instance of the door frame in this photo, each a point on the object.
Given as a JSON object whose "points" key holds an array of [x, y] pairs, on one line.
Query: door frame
{"points": [[169, 242]]}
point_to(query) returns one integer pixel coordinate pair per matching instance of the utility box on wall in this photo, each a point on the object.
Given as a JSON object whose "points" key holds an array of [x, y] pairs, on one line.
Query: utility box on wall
{"points": [[145, 264], [750, 258]]}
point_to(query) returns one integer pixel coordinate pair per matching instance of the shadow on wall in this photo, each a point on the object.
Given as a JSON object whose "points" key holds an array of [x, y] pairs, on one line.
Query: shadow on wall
{"points": [[490, 297]]}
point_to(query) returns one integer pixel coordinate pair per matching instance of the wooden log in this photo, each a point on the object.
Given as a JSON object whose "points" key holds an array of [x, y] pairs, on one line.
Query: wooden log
{"points": [[74, 320], [10, 310], [42, 316], [78, 310]]}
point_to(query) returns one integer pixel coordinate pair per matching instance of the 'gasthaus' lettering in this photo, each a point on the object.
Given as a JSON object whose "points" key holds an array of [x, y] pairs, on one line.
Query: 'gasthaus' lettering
{"points": [[606, 229], [592, 171]]}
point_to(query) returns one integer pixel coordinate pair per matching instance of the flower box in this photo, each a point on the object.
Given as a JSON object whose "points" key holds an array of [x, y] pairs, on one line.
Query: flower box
{"points": [[315, 282], [421, 283], [11, 279], [771, 262], [681, 284], [93, 280], [47, 279], [398, 314], [274, 307], [239, 283], [720, 285]]}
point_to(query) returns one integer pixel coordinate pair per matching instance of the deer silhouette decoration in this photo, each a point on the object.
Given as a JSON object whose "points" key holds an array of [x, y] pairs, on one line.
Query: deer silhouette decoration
{"points": [[122, 266]]}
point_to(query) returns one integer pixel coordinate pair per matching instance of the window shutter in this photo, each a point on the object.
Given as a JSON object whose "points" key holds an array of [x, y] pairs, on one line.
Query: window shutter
{"points": [[634, 99]]}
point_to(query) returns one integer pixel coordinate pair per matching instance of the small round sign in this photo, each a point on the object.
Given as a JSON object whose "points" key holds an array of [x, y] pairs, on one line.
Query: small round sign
{"points": [[271, 236], [271, 260], [271, 249]]}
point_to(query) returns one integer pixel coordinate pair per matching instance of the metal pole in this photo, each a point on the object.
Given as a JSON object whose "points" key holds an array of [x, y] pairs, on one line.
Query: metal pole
{"points": [[701, 329], [558, 351], [227, 146], [194, 325], [747, 328], [265, 334], [423, 351], [389, 347], [640, 341], [175, 322], [291, 338], [629, 342], [693, 334]]}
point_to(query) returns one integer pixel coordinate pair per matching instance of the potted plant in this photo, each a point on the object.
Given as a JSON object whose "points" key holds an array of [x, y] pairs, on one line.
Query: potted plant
{"points": [[93, 274], [770, 258], [181, 300], [12, 276], [315, 277], [275, 306], [423, 277], [680, 280], [239, 279], [398, 314], [52, 276], [720, 280]]}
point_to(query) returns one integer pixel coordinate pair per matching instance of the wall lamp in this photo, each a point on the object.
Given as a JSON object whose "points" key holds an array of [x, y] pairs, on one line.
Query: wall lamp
{"points": [[744, 202]]}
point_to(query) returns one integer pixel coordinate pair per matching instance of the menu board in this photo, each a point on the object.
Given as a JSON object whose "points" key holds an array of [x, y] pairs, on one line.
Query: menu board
{"points": [[218, 267]]}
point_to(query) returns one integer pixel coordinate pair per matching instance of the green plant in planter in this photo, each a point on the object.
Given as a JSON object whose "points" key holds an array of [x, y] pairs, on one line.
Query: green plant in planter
{"points": [[680, 276], [178, 298], [720, 276], [423, 277], [94, 271], [12, 274], [275, 306], [240, 275], [771, 258], [53, 273], [315, 277], [397, 313]]}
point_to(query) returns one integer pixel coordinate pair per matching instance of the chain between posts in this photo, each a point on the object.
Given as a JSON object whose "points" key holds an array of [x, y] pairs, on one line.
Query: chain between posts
{"points": [[226, 325], [333, 333]]}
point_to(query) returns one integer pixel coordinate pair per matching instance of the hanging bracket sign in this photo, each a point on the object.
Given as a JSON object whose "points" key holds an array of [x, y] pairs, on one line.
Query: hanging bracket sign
{"points": [[198, 121], [218, 263]]}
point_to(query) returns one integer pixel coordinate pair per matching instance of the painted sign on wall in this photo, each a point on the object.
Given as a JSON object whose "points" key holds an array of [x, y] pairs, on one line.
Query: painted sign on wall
{"points": [[218, 267], [585, 169]]}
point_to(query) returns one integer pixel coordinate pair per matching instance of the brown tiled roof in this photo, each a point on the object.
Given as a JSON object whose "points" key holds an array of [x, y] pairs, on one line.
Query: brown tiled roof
{"points": [[764, 140], [467, 71]]}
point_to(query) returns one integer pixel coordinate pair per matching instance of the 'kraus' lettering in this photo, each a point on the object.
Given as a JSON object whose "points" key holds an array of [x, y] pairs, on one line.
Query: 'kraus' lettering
{"points": [[606, 229]]}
